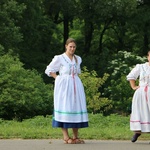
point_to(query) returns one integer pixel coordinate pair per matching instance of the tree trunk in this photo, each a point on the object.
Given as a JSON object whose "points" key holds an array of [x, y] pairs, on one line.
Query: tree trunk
{"points": [[66, 30], [88, 36], [145, 47]]}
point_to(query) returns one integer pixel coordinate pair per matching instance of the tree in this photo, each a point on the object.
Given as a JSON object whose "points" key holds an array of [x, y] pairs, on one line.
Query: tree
{"points": [[62, 12], [141, 22], [38, 35], [10, 14], [118, 88]]}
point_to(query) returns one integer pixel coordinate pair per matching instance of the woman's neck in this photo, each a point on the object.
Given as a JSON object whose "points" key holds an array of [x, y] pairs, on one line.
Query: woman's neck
{"points": [[69, 55]]}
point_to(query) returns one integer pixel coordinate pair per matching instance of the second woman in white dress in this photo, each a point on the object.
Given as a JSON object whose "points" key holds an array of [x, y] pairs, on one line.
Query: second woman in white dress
{"points": [[140, 113]]}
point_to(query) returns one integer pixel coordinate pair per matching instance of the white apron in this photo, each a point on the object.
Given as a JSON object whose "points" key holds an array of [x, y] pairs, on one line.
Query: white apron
{"points": [[69, 95]]}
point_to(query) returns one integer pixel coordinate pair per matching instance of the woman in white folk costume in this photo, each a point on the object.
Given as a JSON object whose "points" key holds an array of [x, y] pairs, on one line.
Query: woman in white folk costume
{"points": [[69, 97], [140, 114]]}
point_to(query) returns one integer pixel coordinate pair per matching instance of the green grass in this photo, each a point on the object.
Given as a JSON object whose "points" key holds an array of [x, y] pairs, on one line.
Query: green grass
{"points": [[113, 127]]}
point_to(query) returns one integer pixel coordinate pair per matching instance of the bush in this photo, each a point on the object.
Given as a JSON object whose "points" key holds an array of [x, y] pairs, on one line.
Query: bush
{"points": [[118, 89], [95, 102], [23, 94]]}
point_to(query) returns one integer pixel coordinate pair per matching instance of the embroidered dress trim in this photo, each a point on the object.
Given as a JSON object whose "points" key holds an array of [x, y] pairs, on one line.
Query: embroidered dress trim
{"points": [[70, 113], [140, 122]]}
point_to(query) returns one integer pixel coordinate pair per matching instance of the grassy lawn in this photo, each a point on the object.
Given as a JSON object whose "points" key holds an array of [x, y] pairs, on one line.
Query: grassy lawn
{"points": [[113, 127]]}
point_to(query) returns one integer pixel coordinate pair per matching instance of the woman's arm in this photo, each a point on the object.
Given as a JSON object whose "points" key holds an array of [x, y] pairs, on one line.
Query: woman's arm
{"points": [[133, 85], [52, 74]]}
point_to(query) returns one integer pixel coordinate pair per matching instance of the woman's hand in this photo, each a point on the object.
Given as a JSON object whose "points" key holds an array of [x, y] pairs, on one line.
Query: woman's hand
{"points": [[135, 87], [54, 75]]}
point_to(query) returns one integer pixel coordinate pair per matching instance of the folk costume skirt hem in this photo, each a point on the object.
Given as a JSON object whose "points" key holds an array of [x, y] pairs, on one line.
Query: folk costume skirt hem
{"points": [[57, 124]]}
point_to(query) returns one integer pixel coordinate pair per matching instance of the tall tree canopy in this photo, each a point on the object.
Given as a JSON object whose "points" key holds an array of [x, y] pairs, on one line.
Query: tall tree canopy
{"points": [[105, 32]]}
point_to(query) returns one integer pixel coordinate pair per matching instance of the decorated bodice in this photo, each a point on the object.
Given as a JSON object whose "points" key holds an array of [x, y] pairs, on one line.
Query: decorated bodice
{"points": [[64, 65], [68, 67], [141, 71]]}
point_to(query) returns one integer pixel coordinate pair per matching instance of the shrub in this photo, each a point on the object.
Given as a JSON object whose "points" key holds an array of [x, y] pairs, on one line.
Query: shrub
{"points": [[23, 94], [92, 83], [118, 89]]}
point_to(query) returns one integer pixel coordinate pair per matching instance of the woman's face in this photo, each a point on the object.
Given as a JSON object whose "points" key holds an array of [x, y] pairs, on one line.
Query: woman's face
{"points": [[70, 48], [148, 56]]}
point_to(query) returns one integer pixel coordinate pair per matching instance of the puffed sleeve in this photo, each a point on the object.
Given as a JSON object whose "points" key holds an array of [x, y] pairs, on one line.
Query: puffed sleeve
{"points": [[53, 66], [134, 74]]}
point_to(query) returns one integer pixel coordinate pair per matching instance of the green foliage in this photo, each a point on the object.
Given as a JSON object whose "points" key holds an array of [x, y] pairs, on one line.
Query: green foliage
{"points": [[119, 89], [10, 13], [23, 93], [92, 83], [36, 30], [122, 62], [40, 36]]}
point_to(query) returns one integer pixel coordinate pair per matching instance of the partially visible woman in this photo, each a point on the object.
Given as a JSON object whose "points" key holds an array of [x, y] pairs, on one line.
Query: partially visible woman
{"points": [[140, 114], [69, 97]]}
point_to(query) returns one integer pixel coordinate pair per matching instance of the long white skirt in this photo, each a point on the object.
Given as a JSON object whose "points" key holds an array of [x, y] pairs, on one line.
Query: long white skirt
{"points": [[140, 115]]}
